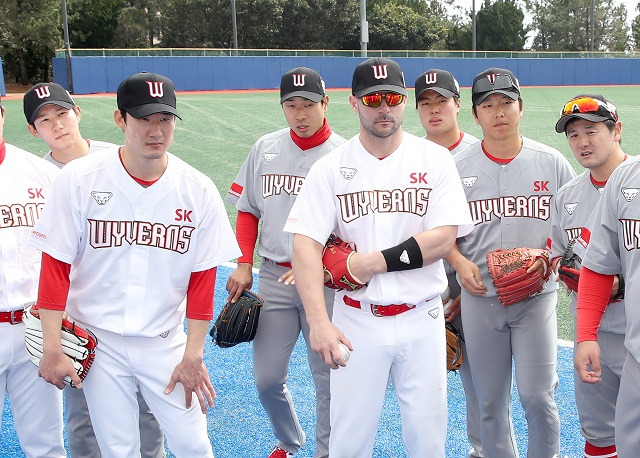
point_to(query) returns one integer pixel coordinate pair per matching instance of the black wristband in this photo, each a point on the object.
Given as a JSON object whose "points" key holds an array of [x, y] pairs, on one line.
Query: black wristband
{"points": [[405, 256], [620, 294]]}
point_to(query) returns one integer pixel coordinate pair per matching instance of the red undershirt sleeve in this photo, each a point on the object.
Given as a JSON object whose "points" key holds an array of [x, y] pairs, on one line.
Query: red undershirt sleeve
{"points": [[247, 235], [594, 291], [200, 294], [54, 283]]}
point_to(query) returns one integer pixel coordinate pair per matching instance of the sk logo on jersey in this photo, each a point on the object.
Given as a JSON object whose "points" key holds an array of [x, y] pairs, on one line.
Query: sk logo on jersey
{"points": [[101, 198], [570, 208], [630, 193], [348, 172], [268, 157], [468, 182]]}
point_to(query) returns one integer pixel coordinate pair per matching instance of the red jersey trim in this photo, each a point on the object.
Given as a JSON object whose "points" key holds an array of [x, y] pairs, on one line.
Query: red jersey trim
{"points": [[236, 190], [316, 139], [140, 181], [455, 145], [3, 150], [496, 159]]}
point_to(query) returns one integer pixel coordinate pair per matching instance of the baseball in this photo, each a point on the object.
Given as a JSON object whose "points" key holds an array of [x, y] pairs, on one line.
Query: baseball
{"points": [[344, 351]]}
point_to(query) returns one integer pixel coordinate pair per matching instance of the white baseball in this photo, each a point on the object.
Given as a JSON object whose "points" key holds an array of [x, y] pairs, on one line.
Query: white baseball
{"points": [[344, 351]]}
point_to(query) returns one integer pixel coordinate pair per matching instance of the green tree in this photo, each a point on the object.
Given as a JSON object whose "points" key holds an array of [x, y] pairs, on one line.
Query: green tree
{"points": [[499, 26], [30, 32], [635, 28], [563, 25], [139, 24], [197, 23], [92, 23]]}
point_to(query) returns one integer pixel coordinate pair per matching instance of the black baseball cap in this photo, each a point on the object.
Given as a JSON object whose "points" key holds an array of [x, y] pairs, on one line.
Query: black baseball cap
{"points": [[592, 107], [378, 74], [440, 81], [494, 80], [144, 94], [45, 94], [302, 82]]}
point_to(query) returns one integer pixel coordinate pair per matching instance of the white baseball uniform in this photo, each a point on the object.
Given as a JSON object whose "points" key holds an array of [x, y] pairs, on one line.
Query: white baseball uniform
{"points": [[596, 404], [613, 249], [267, 186], [80, 436], [511, 206], [378, 204], [25, 182], [133, 250]]}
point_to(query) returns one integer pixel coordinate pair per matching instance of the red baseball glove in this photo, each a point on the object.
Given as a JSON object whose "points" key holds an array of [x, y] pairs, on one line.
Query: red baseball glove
{"points": [[508, 270], [335, 262]]}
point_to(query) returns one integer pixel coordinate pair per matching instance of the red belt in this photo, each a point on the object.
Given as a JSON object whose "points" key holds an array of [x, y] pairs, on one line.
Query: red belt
{"points": [[380, 310], [281, 264], [14, 317]]}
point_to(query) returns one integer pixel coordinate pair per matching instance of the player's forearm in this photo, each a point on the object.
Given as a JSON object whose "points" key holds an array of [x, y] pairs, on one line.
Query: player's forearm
{"points": [[455, 258], [51, 323], [196, 334], [307, 270]]}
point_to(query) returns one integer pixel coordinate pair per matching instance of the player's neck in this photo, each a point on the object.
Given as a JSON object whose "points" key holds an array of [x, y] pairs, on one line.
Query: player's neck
{"points": [[79, 148], [503, 148], [603, 172], [381, 147], [144, 168], [449, 139]]}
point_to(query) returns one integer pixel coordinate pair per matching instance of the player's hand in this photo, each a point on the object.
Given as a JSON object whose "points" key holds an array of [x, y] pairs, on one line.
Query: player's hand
{"points": [[324, 338], [287, 278], [586, 360], [54, 366], [616, 286], [193, 375], [239, 280], [540, 266], [453, 310], [470, 278]]}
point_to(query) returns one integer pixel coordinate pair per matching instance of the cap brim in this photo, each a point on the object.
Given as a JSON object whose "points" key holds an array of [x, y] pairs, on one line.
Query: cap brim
{"points": [[148, 109], [383, 87], [561, 125], [477, 98], [59, 103], [314, 97], [442, 91]]}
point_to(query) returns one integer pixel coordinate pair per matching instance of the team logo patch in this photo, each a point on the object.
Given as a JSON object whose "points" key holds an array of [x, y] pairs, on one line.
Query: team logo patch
{"points": [[468, 182], [348, 172], [164, 334], [101, 198], [630, 193], [434, 312], [43, 92], [156, 88], [404, 257], [268, 157], [570, 208]]}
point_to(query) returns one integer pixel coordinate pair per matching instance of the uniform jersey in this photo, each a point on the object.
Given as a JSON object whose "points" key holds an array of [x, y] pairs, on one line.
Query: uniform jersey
{"points": [[25, 181], [466, 141], [132, 248], [510, 204], [380, 203], [614, 240], [94, 146], [573, 206], [268, 184]]}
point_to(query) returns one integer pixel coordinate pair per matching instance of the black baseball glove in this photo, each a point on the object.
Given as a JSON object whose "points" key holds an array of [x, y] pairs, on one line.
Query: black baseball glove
{"points": [[238, 322]]}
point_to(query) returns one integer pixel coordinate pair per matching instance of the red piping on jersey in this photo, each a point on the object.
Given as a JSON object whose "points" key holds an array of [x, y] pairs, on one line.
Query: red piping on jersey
{"points": [[452, 147], [3, 150], [596, 183], [594, 292], [316, 139], [246, 234], [496, 159], [140, 181]]}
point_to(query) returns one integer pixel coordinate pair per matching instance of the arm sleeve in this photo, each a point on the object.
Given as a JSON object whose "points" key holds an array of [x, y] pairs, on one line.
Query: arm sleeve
{"points": [[594, 291], [54, 283], [200, 294], [246, 234]]}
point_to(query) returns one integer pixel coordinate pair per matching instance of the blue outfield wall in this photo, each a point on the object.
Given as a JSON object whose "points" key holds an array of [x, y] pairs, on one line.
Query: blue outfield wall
{"points": [[104, 74], [3, 90]]}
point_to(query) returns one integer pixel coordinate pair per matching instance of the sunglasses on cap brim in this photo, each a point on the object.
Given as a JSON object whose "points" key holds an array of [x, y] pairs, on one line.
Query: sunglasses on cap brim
{"points": [[374, 100], [589, 105], [500, 82]]}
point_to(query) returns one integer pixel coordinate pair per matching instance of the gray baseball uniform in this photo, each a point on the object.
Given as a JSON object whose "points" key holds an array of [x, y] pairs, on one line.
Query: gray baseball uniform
{"points": [[267, 186], [613, 248], [596, 403], [510, 205], [80, 436]]}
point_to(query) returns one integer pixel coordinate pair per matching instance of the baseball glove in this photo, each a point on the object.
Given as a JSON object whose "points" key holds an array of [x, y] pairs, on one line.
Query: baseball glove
{"points": [[78, 344], [238, 321], [335, 262], [454, 347], [508, 270], [569, 267]]}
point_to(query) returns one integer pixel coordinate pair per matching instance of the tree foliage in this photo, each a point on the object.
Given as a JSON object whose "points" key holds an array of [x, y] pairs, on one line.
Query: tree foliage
{"points": [[92, 23], [499, 26], [635, 29], [564, 25]]}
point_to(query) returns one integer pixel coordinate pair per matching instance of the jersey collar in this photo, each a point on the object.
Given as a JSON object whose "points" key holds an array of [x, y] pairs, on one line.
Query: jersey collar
{"points": [[316, 139]]}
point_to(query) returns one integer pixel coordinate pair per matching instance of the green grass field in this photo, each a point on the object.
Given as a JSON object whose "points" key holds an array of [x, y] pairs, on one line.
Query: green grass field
{"points": [[218, 129]]}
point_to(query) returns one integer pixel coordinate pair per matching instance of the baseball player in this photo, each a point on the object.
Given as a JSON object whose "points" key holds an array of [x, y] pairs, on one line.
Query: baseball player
{"points": [[398, 199], [126, 248], [25, 181], [593, 131], [510, 182], [438, 103], [53, 116], [266, 187]]}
